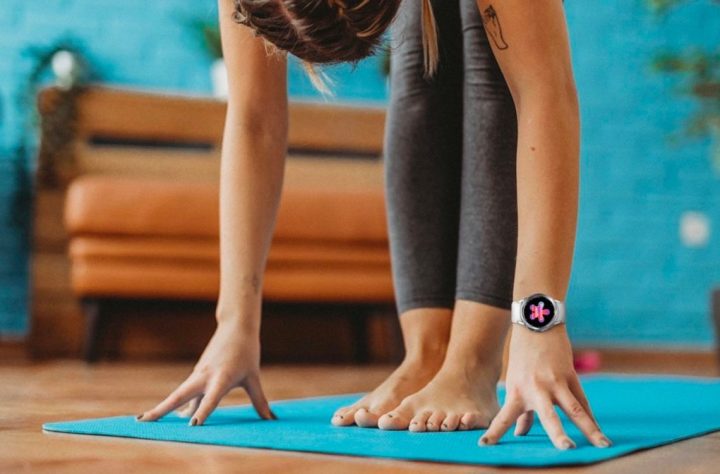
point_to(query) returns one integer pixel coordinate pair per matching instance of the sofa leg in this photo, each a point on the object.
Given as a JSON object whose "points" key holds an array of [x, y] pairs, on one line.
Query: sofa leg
{"points": [[359, 321], [93, 329]]}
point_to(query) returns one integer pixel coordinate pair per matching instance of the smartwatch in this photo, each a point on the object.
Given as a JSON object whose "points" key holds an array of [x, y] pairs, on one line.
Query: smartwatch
{"points": [[538, 312]]}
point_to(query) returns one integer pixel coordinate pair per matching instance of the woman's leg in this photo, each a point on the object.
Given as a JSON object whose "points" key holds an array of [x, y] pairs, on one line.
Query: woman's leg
{"points": [[423, 154], [462, 395]]}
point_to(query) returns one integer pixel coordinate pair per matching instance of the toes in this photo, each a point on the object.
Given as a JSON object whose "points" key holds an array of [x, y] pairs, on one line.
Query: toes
{"points": [[450, 423], [366, 419], [419, 423], [473, 421], [435, 421], [395, 420], [344, 416]]}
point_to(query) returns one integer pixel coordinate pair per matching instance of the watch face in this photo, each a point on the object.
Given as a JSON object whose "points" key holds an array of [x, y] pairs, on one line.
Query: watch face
{"points": [[538, 311]]}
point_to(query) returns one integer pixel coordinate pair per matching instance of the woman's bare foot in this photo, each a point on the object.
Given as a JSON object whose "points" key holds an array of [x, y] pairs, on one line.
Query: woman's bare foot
{"points": [[425, 332], [462, 395]]}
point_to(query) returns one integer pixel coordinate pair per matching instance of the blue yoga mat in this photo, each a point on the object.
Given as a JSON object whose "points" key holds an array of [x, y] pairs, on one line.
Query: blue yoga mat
{"points": [[635, 412]]}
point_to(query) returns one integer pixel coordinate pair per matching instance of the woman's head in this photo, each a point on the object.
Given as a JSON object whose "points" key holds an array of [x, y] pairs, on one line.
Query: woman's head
{"points": [[320, 31]]}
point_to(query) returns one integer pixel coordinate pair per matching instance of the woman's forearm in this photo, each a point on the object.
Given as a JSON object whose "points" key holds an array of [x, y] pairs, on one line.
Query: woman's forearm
{"points": [[251, 177], [547, 181]]}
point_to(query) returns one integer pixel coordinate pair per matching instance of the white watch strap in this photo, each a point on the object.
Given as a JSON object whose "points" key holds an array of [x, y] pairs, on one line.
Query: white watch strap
{"points": [[515, 316], [560, 316]]}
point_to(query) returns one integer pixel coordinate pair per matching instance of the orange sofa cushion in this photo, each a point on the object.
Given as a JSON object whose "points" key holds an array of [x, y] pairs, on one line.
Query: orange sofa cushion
{"points": [[140, 237]]}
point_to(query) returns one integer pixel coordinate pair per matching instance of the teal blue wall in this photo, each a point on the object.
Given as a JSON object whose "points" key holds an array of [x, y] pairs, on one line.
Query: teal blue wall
{"points": [[633, 282]]}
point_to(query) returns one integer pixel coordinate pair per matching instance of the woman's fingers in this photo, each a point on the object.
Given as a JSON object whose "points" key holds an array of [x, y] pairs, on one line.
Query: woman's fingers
{"points": [[191, 407], [551, 422], [257, 397], [577, 414], [181, 395], [524, 423], [577, 390], [502, 422], [210, 401]]}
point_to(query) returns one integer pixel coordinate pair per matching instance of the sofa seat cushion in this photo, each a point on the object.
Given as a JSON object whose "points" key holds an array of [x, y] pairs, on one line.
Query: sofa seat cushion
{"points": [[138, 237], [282, 252], [143, 206], [189, 268]]}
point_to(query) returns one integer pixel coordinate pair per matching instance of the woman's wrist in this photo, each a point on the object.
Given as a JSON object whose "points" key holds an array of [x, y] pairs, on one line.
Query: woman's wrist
{"points": [[239, 318]]}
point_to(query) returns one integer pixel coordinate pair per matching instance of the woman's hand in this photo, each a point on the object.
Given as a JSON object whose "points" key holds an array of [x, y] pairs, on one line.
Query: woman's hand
{"points": [[231, 359], [540, 374]]}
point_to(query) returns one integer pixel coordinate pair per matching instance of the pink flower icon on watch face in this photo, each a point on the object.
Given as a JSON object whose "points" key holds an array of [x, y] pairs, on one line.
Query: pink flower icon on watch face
{"points": [[539, 311]]}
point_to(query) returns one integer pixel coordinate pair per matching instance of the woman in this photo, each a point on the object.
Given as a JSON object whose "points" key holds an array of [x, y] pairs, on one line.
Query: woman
{"points": [[482, 147]]}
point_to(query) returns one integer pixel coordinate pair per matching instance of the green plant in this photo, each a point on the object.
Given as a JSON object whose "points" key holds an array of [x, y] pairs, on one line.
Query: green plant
{"points": [[58, 125], [700, 70], [662, 6], [208, 35]]}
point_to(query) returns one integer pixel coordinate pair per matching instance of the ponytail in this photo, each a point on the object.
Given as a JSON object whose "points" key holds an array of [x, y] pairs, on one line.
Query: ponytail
{"points": [[429, 39]]}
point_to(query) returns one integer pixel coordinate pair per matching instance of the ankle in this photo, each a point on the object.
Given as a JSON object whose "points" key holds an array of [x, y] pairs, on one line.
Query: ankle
{"points": [[472, 363], [429, 354]]}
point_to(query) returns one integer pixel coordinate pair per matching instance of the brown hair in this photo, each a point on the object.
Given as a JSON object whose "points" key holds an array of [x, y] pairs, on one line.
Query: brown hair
{"points": [[429, 39], [330, 31]]}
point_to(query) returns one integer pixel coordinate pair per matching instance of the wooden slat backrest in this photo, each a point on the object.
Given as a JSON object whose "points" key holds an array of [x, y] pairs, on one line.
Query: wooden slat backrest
{"points": [[121, 131], [122, 114]]}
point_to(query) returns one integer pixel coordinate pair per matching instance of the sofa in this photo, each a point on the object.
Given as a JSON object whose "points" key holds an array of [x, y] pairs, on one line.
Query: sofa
{"points": [[138, 194]]}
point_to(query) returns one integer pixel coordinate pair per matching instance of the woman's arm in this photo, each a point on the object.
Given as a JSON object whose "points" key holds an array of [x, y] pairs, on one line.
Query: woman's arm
{"points": [[530, 42], [252, 167], [252, 164], [536, 64]]}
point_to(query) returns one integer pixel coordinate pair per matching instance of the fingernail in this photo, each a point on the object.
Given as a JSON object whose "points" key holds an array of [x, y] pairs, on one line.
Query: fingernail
{"points": [[194, 421], [139, 417], [567, 444], [274, 416], [604, 442], [483, 441]]}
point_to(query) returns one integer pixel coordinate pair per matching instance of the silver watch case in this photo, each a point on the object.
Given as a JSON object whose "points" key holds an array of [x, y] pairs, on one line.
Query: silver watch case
{"points": [[518, 308]]}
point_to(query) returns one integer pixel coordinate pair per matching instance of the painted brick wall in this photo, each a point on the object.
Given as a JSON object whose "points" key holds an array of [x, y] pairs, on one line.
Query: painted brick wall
{"points": [[633, 282]]}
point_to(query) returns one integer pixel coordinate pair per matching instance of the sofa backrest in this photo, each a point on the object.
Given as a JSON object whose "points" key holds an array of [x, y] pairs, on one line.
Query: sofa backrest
{"points": [[128, 132]]}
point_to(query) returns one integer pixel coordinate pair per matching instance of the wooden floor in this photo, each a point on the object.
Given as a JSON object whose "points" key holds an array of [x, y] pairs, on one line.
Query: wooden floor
{"points": [[34, 393]]}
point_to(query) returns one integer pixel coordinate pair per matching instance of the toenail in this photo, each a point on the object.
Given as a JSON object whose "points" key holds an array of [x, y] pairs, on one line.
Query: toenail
{"points": [[414, 423], [444, 425], [389, 415], [139, 417]]}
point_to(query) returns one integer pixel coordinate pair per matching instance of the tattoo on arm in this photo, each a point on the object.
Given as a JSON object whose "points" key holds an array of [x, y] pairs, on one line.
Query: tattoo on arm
{"points": [[492, 26]]}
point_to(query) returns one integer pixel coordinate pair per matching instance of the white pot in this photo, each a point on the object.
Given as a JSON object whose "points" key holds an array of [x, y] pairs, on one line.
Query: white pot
{"points": [[218, 74]]}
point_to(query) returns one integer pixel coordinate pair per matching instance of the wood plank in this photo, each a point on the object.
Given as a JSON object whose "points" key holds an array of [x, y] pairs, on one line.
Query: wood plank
{"points": [[149, 162], [142, 115], [333, 127]]}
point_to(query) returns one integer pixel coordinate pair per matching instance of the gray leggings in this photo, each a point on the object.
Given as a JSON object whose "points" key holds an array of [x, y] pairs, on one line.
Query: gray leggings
{"points": [[450, 156]]}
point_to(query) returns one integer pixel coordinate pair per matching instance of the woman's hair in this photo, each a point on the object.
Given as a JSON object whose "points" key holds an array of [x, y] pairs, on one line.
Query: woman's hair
{"points": [[330, 31]]}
